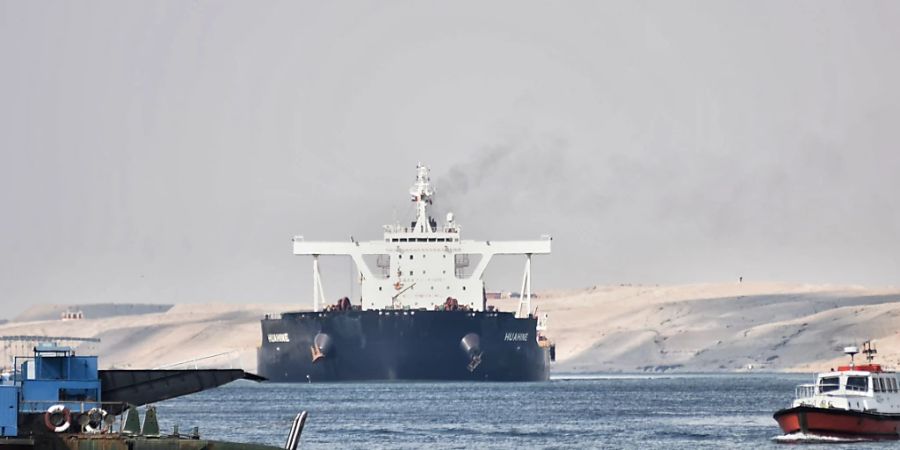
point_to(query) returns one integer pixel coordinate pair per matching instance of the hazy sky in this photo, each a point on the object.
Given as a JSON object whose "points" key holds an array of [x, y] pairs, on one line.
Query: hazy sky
{"points": [[167, 151]]}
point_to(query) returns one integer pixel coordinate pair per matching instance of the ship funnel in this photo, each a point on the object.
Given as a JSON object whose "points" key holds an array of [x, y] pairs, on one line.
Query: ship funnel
{"points": [[322, 346], [471, 346]]}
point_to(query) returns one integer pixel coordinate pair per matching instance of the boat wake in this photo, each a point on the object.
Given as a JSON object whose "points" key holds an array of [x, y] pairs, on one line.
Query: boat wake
{"points": [[801, 438]]}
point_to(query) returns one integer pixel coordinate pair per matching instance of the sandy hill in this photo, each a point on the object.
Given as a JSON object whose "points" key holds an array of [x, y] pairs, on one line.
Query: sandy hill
{"points": [[208, 335], [703, 327], [718, 327], [91, 310]]}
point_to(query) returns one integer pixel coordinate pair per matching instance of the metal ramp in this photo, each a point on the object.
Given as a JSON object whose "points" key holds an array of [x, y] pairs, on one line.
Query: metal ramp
{"points": [[141, 387]]}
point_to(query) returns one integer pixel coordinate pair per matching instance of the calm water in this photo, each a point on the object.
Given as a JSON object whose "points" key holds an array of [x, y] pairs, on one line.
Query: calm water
{"points": [[665, 412]]}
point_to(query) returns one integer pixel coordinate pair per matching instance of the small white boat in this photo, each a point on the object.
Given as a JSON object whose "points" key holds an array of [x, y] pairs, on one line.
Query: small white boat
{"points": [[853, 401]]}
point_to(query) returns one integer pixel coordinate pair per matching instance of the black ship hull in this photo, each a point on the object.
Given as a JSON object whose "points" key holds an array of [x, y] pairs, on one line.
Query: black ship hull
{"points": [[401, 345]]}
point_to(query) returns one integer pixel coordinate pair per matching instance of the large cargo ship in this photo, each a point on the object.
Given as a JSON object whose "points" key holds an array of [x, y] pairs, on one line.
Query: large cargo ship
{"points": [[422, 313]]}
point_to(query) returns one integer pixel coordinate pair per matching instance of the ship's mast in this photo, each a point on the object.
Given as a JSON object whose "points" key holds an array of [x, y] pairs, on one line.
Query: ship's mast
{"points": [[421, 194]]}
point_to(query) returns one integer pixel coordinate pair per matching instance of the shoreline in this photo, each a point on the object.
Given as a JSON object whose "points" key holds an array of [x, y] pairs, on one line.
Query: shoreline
{"points": [[623, 329]]}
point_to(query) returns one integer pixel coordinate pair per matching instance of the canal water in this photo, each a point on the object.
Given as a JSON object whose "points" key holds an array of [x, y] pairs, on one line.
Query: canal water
{"points": [[614, 411]]}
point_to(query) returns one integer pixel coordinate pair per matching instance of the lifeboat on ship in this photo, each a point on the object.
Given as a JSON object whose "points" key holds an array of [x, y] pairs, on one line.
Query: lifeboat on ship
{"points": [[855, 401]]}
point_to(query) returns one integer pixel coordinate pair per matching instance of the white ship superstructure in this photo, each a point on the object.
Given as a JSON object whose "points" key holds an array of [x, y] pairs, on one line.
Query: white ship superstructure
{"points": [[423, 265]]}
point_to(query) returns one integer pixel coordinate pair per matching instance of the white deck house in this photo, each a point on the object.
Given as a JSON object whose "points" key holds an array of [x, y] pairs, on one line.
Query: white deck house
{"points": [[421, 265]]}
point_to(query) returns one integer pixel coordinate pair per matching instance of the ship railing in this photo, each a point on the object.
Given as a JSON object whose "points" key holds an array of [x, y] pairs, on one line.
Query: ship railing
{"points": [[74, 406], [402, 229], [804, 391]]}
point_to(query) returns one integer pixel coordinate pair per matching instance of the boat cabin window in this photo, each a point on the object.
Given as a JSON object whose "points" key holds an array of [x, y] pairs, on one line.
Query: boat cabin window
{"points": [[828, 384], [857, 383], [877, 384], [886, 385]]}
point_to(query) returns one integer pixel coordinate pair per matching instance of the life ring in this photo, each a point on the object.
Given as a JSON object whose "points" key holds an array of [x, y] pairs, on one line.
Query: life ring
{"points": [[96, 421], [51, 418]]}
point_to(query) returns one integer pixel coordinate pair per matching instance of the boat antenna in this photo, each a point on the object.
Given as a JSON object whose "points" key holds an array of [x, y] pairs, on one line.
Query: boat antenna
{"points": [[869, 350], [852, 350]]}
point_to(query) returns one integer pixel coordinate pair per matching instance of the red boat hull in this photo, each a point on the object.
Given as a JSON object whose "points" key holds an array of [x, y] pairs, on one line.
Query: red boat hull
{"points": [[838, 422]]}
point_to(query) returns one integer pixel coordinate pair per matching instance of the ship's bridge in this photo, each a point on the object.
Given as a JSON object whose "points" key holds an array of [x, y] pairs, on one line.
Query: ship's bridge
{"points": [[421, 266], [397, 231]]}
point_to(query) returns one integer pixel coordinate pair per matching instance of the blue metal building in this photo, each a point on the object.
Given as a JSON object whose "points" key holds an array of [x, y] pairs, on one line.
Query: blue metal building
{"points": [[53, 376]]}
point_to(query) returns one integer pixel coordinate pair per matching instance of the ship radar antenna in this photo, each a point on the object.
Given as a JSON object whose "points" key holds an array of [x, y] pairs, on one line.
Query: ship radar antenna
{"points": [[422, 193], [869, 350], [851, 350]]}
